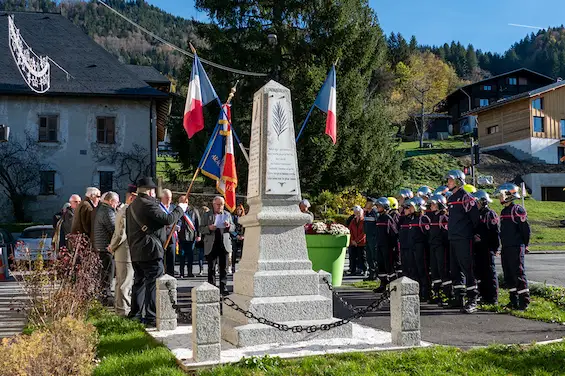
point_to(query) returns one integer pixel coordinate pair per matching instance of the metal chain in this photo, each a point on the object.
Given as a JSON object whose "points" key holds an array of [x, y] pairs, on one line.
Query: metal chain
{"points": [[312, 328], [185, 316], [335, 294]]}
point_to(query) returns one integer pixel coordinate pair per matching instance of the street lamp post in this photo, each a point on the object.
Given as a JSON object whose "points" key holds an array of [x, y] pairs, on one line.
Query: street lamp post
{"points": [[273, 41]]}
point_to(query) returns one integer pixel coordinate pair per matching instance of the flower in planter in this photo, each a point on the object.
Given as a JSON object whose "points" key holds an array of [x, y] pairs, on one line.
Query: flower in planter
{"points": [[321, 228]]}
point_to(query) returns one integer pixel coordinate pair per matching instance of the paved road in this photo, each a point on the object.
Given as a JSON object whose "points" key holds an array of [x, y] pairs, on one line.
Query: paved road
{"points": [[546, 268]]}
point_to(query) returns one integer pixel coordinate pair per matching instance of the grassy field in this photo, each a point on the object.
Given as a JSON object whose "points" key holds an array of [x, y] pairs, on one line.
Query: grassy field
{"points": [[492, 361], [450, 143], [126, 349]]}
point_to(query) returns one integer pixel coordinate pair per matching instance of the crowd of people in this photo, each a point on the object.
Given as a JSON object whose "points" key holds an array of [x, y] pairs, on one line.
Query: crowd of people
{"points": [[141, 239], [447, 240]]}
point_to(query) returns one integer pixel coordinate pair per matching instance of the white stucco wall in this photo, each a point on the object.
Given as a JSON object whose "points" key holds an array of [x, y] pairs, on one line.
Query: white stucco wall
{"points": [[536, 181], [76, 132], [544, 149]]}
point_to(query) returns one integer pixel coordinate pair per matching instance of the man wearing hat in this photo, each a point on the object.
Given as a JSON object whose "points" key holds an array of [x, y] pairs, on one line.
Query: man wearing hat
{"points": [[145, 228]]}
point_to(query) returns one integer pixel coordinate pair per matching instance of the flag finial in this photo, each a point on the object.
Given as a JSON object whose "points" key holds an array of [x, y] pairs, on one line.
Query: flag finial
{"points": [[192, 48], [232, 92]]}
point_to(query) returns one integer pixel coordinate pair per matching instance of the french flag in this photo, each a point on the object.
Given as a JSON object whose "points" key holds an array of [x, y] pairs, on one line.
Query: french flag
{"points": [[228, 180], [326, 101], [189, 222], [200, 93]]}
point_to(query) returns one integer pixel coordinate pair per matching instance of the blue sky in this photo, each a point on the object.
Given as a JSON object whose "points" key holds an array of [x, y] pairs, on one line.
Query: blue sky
{"points": [[484, 23]]}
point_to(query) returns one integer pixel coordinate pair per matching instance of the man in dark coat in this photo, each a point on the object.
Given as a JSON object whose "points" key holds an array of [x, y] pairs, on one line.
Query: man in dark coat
{"points": [[102, 230], [82, 221], [145, 228]]}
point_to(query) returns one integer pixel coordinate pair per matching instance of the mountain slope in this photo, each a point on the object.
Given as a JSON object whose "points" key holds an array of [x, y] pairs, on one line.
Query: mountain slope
{"points": [[119, 37]]}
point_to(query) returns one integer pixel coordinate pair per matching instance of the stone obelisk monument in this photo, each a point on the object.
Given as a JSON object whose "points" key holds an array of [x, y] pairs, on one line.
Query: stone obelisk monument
{"points": [[275, 279]]}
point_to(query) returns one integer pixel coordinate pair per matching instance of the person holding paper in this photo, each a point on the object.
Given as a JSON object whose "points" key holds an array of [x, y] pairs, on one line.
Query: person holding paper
{"points": [[216, 226]]}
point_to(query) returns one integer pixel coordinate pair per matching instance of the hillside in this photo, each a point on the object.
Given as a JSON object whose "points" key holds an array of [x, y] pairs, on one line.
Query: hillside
{"points": [[119, 37]]}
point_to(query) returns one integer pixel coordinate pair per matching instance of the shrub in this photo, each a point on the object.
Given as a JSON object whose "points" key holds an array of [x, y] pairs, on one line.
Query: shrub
{"points": [[65, 347], [64, 287]]}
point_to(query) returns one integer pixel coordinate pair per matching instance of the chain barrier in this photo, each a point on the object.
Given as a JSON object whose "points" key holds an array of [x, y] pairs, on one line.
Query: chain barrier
{"points": [[357, 313], [185, 316], [336, 295]]}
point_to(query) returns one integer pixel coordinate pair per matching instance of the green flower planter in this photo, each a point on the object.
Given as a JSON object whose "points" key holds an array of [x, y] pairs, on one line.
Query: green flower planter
{"points": [[327, 252]]}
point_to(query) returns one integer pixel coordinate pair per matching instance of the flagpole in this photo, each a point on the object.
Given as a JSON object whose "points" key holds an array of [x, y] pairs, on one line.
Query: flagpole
{"points": [[305, 121], [245, 155], [310, 112], [206, 151], [204, 156]]}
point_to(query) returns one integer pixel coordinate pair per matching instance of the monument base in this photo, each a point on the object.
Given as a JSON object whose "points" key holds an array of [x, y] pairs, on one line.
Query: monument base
{"points": [[259, 334]]}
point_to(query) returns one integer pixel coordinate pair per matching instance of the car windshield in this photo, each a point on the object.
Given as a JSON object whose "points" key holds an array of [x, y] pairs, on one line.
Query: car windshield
{"points": [[37, 233]]}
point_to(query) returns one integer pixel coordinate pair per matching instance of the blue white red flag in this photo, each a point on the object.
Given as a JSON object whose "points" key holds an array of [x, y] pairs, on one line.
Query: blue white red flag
{"points": [[326, 101], [200, 93], [219, 164]]}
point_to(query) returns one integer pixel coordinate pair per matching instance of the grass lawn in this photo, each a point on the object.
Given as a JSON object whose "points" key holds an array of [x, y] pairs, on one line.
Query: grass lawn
{"points": [[437, 144], [494, 360], [544, 217], [126, 349]]}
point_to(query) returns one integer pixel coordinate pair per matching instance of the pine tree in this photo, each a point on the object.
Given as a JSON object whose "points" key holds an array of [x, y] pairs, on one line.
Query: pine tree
{"points": [[311, 36], [471, 60]]}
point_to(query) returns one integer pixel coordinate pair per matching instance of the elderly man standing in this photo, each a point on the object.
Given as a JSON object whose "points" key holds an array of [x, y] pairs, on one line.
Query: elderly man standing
{"points": [[124, 269], [82, 221], [145, 228], [216, 226], [103, 229], [167, 206], [304, 206]]}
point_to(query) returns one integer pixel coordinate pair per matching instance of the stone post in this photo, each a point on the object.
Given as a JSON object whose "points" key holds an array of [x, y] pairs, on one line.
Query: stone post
{"points": [[405, 312], [206, 333], [166, 314]]}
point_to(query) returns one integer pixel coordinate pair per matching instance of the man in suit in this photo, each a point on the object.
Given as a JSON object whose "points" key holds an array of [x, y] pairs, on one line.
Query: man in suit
{"points": [[145, 228], [216, 226], [82, 221]]}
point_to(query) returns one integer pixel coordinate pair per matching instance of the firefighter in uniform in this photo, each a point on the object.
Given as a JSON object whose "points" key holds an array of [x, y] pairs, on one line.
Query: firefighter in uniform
{"points": [[515, 237], [395, 214], [443, 190], [404, 241], [386, 240], [486, 248], [439, 250], [403, 231], [418, 242], [463, 219], [370, 228]]}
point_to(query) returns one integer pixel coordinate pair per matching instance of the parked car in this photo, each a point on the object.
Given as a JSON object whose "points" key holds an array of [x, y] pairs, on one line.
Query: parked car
{"points": [[7, 242], [33, 241]]}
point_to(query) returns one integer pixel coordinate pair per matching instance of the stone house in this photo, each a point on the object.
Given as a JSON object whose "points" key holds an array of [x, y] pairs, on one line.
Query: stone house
{"points": [[98, 125]]}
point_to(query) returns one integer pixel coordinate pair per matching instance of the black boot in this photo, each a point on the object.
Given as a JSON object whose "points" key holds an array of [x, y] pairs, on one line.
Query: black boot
{"points": [[456, 302], [470, 307], [370, 277], [382, 287]]}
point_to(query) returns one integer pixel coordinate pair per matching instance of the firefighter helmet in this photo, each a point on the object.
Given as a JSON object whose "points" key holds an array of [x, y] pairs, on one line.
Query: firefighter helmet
{"points": [[418, 204], [424, 191], [393, 203], [440, 200], [482, 197], [456, 175], [406, 193], [469, 188], [508, 192], [383, 202]]}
